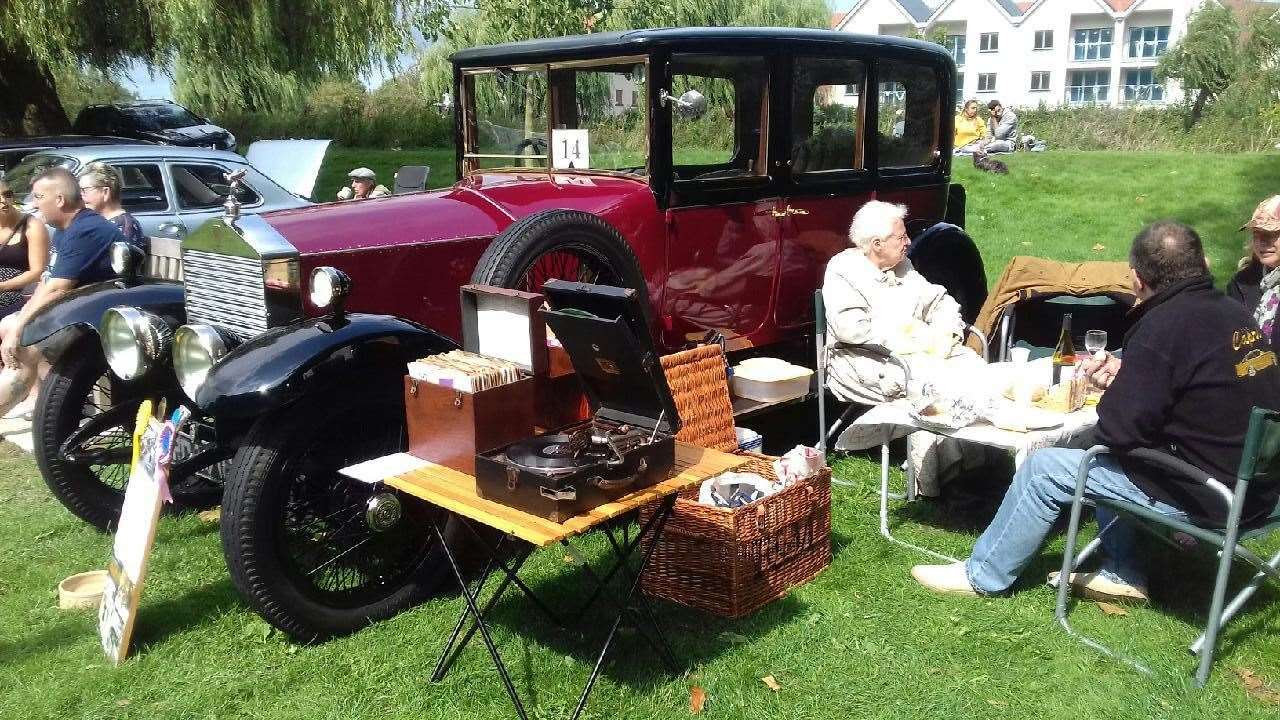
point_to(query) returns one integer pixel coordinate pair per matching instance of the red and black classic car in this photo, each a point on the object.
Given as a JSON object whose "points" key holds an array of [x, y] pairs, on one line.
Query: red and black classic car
{"points": [[716, 168]]}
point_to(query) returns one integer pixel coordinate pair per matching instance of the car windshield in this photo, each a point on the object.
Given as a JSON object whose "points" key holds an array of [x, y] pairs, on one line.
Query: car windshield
{"points": [[599, 117], [25, 172], [160, 117]]}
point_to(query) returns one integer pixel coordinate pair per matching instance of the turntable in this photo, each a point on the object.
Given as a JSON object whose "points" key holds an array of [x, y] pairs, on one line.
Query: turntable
{"points": [[628, 443]]}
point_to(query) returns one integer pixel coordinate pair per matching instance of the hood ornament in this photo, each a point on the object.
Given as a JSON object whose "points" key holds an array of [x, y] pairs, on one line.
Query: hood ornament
{"points": [[231, 207]]}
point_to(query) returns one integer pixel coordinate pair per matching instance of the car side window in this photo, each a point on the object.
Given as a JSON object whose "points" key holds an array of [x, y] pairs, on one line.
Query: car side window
{"points": [[727, 139], [204, 187], [908, 122], [143, 188], [826, 116]]}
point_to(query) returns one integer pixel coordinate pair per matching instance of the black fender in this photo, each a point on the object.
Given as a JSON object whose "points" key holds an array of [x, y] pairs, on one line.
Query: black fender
{"points": [[83, 307], [280, 366]]}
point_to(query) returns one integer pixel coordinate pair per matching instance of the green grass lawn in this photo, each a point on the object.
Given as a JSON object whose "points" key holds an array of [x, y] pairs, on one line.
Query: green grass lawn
{"points": [[861, 640]]}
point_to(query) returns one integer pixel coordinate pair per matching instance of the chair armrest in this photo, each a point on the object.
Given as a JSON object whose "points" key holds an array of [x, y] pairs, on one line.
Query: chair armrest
{"points": [[883, 353], [982, 338], [1177, 466]]}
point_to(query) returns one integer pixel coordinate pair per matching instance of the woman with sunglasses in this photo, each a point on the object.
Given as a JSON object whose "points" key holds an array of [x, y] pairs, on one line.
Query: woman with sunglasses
{"points": [[24, 252], [100, 186]]}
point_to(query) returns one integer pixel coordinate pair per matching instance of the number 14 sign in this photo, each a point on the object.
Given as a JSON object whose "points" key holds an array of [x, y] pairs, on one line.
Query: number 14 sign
{"points": [[570, 149]]}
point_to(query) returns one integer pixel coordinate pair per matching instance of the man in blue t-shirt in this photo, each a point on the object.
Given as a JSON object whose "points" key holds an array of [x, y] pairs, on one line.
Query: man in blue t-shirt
{"points": [[81, 254]]}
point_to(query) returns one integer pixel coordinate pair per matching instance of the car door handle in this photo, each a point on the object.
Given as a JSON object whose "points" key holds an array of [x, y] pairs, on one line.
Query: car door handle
{"points": [[172, 230]]}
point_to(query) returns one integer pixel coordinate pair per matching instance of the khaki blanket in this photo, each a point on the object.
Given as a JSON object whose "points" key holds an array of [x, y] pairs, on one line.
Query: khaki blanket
{"points": [[1026, 276]]}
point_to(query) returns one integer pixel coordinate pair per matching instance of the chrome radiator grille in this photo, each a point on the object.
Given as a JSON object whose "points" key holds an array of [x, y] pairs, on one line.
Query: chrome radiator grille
{"points": [[225, 291]]}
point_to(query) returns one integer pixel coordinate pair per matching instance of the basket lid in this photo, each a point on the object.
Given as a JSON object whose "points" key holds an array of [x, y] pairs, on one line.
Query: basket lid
{"points": [[605, 333]]}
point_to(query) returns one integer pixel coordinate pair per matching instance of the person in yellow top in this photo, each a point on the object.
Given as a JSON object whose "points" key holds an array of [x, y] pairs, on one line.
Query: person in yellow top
{"points": [[970, 129]]}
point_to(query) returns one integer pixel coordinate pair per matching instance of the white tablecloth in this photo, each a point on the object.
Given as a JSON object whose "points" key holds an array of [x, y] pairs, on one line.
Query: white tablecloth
{"points": [[890, 421]]}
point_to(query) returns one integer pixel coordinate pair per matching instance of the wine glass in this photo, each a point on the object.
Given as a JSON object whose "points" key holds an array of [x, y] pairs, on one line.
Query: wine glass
{"points": [[1095, 340]]}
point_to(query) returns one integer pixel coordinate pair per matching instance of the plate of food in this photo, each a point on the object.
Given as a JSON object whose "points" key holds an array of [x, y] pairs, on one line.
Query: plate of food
{"points": [[944, 414]]}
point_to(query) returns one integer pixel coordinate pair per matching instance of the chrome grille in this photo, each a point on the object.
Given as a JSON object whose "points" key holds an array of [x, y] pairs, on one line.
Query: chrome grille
{"points": [[225, 291]]}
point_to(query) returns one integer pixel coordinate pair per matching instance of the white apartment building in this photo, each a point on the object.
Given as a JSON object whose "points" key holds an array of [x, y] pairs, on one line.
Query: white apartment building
{"points": [[1047, 52]]}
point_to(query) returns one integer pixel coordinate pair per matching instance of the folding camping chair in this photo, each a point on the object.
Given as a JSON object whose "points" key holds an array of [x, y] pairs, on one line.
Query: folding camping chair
{"points": [[1035, 322], [827, 433], [411, 178], [1260, 462]]}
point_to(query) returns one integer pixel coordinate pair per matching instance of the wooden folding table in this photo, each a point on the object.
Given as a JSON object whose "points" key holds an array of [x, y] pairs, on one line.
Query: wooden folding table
{"points": [[456, 491]]}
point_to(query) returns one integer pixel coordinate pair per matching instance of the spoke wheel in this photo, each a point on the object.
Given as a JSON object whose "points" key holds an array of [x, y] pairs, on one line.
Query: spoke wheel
{"points": [[78, 390], [579, 264], [298, 537]]}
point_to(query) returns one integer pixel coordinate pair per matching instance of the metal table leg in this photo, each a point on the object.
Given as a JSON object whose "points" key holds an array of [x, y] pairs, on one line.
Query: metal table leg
{"points": [[884, 510], [658, 522], [474, 611]]}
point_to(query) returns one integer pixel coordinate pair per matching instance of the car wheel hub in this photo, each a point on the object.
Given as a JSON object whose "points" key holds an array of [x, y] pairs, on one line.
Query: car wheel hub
{"points": [[383, 512]]}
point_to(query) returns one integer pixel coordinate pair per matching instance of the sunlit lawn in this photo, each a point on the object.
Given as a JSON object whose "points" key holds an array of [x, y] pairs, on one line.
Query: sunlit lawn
{"points": [[862, 640]]}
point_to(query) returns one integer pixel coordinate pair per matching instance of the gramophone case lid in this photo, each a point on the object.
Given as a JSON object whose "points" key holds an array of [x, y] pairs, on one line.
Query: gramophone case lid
{"points": [[605, 332]]}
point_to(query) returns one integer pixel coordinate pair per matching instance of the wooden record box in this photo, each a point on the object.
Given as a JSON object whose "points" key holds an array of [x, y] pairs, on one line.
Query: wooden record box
{"points": [[448, 426]]}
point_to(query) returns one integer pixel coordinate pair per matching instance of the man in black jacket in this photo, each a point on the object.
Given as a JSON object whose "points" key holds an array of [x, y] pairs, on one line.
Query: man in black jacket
{"points": [[1194, 365]]}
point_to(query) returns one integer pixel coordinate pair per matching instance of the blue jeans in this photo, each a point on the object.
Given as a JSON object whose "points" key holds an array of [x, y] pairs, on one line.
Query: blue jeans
{"points": [[1042, 488]]}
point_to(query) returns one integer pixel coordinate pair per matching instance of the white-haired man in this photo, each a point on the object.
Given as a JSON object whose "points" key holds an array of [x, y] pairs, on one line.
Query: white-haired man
{"points": [[873, 296]]}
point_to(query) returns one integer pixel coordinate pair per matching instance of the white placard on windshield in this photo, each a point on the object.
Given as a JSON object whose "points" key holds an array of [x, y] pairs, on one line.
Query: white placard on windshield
{"points": [[570, 150]]}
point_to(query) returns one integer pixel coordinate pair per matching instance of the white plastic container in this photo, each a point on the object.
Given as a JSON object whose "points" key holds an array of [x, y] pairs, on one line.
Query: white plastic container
{"points": [[767, 379]]}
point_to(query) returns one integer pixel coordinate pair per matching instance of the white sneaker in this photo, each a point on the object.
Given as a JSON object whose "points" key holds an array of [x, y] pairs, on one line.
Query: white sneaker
{"points": [[1097, 587], [948, 579]]}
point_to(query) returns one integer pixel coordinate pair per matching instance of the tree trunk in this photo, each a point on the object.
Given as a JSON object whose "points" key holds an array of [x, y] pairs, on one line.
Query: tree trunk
{"points": [[1197, 108], [31, 105]]}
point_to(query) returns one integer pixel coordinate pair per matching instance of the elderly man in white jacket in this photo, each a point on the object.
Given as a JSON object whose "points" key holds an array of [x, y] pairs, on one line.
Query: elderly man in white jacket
{"points": [[873, 295]]}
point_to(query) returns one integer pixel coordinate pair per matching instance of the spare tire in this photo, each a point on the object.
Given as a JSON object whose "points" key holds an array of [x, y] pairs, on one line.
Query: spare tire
{"points": [[559, 244]]}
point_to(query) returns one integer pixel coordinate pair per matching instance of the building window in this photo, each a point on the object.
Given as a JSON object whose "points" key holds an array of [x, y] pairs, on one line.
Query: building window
{"points": [[634, 99], [1044, 40], [1088, 86], [1092, 44], [1148, 42], [1039, 80], [618, 98], [955, 44], [986, 82], [959, 88], [1140, 86], [989, 42]]}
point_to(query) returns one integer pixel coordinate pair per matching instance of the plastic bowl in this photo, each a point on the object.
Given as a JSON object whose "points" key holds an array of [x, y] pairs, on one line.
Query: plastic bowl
{"points": [[82, 590]]}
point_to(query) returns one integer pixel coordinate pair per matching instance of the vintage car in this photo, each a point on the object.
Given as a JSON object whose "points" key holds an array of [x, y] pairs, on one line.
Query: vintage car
{"points": [[715, 168], [173, 190]]}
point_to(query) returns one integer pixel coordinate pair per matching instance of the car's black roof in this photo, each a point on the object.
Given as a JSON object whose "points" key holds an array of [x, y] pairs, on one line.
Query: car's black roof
{"points": [[706, 39], [57, 141]]}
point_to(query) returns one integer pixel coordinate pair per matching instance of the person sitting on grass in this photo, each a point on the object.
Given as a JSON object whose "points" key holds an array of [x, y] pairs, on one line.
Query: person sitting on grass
{"points": [[970, 129], [1002, 130], [1180, 390]]}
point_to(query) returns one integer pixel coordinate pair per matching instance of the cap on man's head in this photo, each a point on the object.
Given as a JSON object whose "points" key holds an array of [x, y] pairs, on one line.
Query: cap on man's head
{"points": [[362, 173], [1266, 217]]}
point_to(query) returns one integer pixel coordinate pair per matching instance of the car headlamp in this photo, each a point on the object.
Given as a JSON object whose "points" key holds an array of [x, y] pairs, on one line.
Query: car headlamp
{"points": [[329, 288], [125, 259], [134, 341], [196, 349]]}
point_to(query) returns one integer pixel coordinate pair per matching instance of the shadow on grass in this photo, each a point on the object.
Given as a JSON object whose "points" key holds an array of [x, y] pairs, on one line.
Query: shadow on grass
{"points": [[185, 612], [69, 631], [695, 637]]}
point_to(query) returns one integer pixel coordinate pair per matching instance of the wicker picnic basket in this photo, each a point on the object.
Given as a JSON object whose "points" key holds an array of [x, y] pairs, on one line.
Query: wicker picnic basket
{"points": [[731, 562]]}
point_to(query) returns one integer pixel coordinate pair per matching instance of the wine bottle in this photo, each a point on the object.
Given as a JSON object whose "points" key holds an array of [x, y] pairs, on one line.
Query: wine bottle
{"points": [[1064, 355]]}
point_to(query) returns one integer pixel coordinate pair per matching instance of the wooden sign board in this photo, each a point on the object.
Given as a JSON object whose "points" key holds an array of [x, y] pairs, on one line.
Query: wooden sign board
{"points": [[135, 535]]}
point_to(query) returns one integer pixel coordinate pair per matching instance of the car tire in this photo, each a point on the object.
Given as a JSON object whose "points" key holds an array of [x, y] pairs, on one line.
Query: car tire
{"points": [[283, 500], [572, 245], [77, 385]]}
